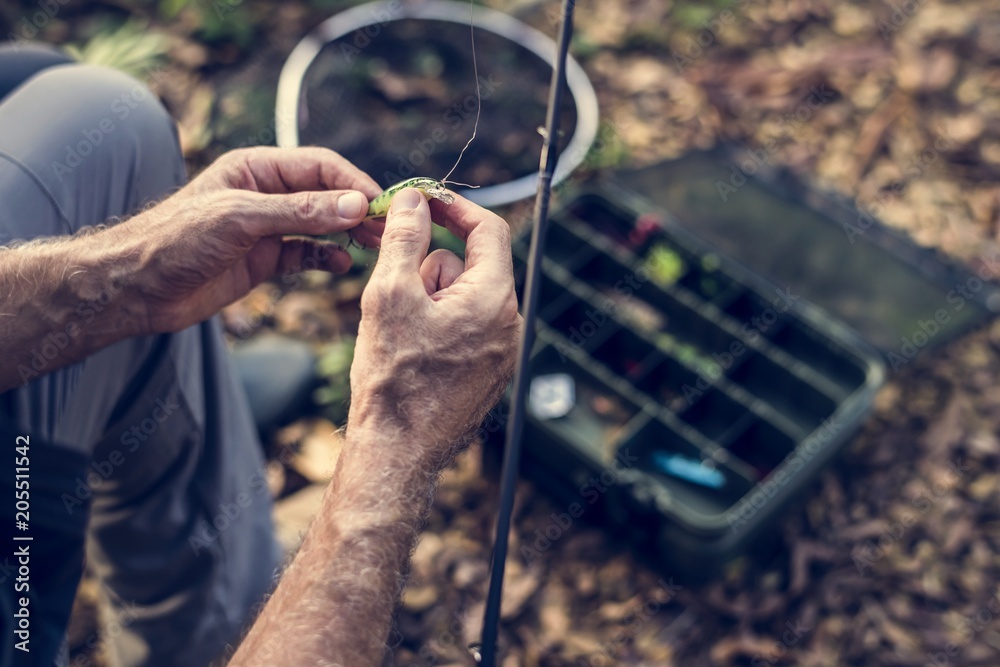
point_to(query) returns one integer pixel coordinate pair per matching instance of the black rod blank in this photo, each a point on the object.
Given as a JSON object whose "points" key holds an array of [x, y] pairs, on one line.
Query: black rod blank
{"points": [[515, 427]]}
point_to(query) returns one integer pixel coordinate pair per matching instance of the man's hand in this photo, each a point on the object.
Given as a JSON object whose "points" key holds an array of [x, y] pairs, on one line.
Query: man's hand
{"points": [[222, 234], [437, 338], [179, 262], [436, 346]]}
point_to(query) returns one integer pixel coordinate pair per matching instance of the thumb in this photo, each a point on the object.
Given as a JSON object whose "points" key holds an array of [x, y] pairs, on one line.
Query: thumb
{"points": [[407, 235], [312, 213]]}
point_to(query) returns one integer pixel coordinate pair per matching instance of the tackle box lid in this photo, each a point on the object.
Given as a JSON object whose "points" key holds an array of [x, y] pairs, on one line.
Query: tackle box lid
{"points": [[897, 296]]}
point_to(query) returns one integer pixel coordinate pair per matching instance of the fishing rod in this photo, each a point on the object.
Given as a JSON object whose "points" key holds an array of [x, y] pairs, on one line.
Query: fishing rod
{"points": [[515, 428]]}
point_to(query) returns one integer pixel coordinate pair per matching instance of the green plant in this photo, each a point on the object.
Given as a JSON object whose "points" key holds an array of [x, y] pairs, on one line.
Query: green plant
{"points": [[130, 47], [334, 367]]}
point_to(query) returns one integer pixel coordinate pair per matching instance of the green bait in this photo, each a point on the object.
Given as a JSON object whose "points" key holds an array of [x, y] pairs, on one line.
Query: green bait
{"points": [[430, 188]]}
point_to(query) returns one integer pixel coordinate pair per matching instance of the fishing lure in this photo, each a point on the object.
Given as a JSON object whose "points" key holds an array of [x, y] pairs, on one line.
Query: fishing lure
{"points": [[429, 187]]}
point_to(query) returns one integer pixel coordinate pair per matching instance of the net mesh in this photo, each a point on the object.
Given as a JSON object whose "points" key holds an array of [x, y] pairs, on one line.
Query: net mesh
{"points": [[399, 100]]}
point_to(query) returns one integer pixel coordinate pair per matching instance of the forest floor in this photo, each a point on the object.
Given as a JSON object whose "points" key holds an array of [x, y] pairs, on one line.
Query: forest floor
{"points": [[908, 126]]}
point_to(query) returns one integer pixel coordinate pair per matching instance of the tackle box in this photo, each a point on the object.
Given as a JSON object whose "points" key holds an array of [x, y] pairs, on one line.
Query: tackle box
{"points": [[709, 339]]}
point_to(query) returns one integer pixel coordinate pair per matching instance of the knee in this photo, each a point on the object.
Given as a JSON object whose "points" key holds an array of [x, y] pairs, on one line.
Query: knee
{"points": [[92, 127], [108, 104]]}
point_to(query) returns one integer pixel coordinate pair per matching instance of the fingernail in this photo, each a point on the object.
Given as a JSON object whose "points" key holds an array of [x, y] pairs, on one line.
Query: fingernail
{"points": [[406, 200], [351, 205]]}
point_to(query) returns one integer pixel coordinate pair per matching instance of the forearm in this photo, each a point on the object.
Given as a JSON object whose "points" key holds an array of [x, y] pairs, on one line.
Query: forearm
{"points": [[335, 602], [63, 299], [435, 347]]}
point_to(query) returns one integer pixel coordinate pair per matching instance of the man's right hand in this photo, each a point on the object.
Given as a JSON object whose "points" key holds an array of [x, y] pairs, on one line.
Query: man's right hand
{"points": [[436, 346], [438, 337]]}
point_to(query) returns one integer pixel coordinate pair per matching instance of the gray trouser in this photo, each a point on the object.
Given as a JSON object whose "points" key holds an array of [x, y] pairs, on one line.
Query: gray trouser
{"points": [[180, 530]]}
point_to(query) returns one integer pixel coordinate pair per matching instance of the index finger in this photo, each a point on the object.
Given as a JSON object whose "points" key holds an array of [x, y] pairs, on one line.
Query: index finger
{"points": [[273, 170], [486, 236]]}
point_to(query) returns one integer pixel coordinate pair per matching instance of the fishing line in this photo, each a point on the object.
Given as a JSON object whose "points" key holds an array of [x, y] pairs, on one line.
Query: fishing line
{"points": [[479, 102]]}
